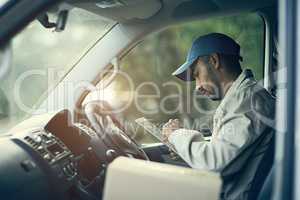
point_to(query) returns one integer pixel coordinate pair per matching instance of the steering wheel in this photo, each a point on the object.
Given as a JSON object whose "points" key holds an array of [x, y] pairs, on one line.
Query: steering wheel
{"points": [[104, 121]]}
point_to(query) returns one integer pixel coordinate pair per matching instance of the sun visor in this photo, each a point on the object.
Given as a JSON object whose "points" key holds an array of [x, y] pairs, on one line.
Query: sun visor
{"points": [[120, 11]]}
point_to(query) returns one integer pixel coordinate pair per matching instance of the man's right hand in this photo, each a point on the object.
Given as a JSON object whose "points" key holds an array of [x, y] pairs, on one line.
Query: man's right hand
{"points": [[170, 127]]}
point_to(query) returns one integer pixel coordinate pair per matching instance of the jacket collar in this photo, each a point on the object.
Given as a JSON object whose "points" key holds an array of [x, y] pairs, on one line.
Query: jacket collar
{"points": [[247, 73]]}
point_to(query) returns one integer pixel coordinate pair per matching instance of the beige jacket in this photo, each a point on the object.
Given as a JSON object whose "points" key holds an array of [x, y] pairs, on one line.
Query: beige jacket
{"points": [[242, 116]]}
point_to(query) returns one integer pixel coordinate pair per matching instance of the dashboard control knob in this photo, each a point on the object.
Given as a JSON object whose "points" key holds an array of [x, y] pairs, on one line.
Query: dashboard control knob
{"points": [[111, 154]]}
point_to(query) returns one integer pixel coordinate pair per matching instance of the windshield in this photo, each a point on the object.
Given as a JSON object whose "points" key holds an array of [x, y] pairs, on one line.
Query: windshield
{"points": [[41, 58]]}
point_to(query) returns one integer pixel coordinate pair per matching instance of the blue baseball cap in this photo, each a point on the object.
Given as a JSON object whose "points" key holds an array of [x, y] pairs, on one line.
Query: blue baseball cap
{"points": [[206, 45]]}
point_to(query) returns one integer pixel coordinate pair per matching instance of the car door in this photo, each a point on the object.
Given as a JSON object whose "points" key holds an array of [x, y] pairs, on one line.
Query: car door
{"points": [[286, 167]]}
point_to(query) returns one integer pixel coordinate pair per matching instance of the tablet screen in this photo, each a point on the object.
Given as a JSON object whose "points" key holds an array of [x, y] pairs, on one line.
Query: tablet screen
{"points": [[153, 130]]}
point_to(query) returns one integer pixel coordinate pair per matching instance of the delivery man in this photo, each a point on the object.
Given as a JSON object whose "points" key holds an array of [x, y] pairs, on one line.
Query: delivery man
{"points": [[245, 111]]}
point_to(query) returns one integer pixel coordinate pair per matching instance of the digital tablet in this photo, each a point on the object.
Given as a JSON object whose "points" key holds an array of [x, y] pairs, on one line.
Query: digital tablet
{"points": [[153, 130]]}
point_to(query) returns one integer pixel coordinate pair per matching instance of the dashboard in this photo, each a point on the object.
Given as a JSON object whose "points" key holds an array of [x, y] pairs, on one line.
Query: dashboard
{"points": [[54, 158], [59, 160]]}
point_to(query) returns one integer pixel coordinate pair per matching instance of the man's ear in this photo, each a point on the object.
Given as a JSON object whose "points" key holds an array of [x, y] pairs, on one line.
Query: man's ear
{"points": [[215, 60]]}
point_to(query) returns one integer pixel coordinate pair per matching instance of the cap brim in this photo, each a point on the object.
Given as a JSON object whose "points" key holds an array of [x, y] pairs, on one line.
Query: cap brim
{"points": [[184, 72]]}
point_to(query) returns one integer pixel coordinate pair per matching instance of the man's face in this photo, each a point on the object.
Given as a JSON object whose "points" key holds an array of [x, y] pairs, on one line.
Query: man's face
{"points": [[207, 80]]}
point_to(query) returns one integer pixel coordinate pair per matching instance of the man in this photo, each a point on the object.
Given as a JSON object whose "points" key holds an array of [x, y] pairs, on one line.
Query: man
{"points": [[246, 110]]}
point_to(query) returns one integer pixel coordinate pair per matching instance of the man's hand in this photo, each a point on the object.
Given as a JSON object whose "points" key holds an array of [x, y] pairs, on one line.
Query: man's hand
{"points": [[169, 127]]}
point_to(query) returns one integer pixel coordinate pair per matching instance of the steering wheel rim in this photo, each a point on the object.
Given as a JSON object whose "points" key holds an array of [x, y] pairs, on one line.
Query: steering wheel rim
{"points": [[104, 121]]}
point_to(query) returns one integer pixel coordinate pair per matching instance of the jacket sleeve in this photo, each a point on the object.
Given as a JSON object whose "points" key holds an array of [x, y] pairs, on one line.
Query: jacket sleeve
{"points": [[236, 132]]}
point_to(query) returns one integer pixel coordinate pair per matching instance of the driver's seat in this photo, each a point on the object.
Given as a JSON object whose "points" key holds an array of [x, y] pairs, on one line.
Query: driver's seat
{"points": [[257, 164]]}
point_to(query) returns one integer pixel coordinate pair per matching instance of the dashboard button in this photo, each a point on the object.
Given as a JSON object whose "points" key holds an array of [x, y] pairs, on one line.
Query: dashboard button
{"points": [[37, 139], [47, 157]]}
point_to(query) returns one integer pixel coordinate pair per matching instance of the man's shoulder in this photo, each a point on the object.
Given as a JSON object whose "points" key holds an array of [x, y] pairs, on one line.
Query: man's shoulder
{"points": [[254, 91], [250, 95]]}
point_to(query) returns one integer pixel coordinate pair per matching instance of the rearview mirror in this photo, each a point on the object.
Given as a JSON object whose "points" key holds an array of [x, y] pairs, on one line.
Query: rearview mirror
{"points": [[60, 23]]}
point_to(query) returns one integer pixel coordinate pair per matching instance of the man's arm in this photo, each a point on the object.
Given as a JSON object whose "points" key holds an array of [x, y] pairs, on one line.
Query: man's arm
{"points": [[236, 133]]}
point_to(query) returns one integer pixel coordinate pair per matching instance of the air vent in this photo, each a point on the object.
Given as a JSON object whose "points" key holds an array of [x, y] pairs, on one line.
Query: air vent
{"points": [[32, 143], [29, 140], [86, 130]]}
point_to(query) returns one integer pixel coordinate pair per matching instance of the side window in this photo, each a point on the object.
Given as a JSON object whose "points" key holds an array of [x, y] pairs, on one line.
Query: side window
{"points": [[146, 88]]}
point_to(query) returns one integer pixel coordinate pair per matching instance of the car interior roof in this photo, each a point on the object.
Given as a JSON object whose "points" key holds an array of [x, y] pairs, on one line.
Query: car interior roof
{"points": [[131, 10]]}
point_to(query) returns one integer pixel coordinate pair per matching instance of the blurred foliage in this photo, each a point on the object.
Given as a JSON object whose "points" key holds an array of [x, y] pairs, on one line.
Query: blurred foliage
{"points": [[155, 58]]}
